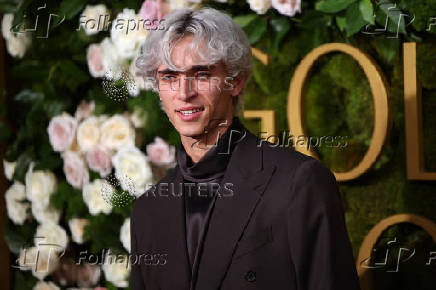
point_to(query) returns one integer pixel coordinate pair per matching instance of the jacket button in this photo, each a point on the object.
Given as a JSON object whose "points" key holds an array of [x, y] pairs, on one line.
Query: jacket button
{"points": [[250, 276]]}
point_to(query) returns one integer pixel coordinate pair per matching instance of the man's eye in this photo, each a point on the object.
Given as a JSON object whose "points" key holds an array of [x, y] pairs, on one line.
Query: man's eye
{"points": [[168, 77], [203, 74]]}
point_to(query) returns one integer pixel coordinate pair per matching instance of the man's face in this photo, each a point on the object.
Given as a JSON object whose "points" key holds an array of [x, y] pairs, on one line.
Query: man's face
{"points": [[194, 98]]}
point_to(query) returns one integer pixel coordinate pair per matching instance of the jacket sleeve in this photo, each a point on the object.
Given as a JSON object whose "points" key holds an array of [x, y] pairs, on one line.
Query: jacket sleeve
{"points": [[136, 281], [318, 240]]}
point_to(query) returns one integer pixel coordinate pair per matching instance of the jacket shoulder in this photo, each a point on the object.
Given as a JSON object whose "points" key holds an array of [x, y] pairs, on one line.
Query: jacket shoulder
{"points": [[140, 203]]}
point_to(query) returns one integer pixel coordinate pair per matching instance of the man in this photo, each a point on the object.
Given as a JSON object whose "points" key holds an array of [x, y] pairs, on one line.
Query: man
{"points": [[235, 213]]}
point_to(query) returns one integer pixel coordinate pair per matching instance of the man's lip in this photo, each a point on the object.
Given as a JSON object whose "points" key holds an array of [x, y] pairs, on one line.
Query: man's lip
{"points": [[189, 108]]}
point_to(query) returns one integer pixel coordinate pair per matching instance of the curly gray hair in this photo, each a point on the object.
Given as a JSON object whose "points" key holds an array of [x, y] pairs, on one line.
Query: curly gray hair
{"points": [[224, 39]]}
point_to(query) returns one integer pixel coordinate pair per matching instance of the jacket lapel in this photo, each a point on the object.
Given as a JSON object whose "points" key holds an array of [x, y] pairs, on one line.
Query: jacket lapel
{"points": [[173, 240], [231, 214]]}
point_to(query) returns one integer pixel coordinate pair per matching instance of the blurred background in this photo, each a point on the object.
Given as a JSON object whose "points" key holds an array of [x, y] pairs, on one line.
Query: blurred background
{"points": [[76, 116]]}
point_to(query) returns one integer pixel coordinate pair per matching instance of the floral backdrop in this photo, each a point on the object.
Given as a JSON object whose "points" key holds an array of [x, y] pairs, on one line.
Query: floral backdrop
{"points": [[86, 134]]}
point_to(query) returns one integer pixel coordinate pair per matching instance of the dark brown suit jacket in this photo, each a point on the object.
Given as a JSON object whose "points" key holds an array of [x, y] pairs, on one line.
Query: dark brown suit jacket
{"points": [[282, 228]]}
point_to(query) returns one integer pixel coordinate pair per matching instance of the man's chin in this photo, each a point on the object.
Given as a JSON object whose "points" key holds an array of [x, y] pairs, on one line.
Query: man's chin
{"points": [[191, 131]]}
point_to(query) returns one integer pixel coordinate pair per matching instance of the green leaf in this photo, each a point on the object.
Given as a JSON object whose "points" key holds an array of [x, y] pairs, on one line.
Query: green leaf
{"points": [[71, 69], [9, 6], [29, 96], [387, 48], [281, 26], [71, 8], [388, 11], [5, 132], [55, 107], [30, 70], [23, 163], [24, 280], [332, 6], [341, 22], [354, 19], [71, 198], [256, 29], [17, 237], [313, 20], [367, 10], [244, 20]]}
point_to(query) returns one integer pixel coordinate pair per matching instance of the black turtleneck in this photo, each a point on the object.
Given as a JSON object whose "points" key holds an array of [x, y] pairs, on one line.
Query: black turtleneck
{"points": [[199, 199]]}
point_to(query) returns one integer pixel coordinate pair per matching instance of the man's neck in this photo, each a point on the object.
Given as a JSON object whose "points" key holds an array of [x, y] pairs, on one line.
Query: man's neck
{"points": [[197, 147]]}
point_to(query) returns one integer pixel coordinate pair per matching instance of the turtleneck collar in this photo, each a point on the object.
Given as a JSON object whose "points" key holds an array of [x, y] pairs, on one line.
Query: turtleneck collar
{"points": [[213, 164]]}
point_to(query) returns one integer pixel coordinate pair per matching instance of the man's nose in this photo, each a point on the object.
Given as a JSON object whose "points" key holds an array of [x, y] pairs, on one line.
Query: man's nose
{"points": [[187, 88]]}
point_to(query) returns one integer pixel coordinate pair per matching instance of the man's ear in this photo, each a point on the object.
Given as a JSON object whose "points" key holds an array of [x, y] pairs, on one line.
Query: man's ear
{"points": [[238, 85]]}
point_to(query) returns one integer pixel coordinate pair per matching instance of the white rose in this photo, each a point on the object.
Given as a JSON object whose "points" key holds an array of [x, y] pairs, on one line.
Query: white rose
{"points": [[180, 4], [77, 227], [53, 234], [15, 203], [88, 133], [125, 234], [45, 214], [116, 132], [94, 18], [7, 21], [116, 270], [16, 43], [40, 184], [139, 117], [9, 168], [43, 261], [41, 285], [260, 6], [132, 170], [287, 7], [128, 33], [93, 196], [113, 63]]}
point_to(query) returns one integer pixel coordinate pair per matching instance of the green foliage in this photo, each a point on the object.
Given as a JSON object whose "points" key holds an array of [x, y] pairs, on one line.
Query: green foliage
{"points": [[354, 19], [18, 237], [70, 199], [421, 11], [332, 6], [338, 102], [104, 232], [24, 280], [426, 58], [71, 8]]}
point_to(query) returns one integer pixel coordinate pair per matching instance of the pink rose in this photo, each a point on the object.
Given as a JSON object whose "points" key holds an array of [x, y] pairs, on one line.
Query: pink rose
{"points": [[161, 153], [151, 10], [95, 61], [88, 275], [84, 110], [99, 288], [75, 169], [287, 7], [61, 132], [99, 159]]}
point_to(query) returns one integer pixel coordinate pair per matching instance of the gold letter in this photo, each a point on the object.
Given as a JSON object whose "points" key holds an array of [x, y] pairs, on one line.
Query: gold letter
{"points": [[413, 112], [380, 97]]}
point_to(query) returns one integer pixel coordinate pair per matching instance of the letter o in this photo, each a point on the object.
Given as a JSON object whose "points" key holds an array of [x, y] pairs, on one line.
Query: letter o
{"points": [[380, 96], [365, 276]]}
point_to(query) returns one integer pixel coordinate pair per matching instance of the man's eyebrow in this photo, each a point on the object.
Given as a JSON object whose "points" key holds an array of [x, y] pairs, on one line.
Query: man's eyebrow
{"points": [[193, 68]]}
